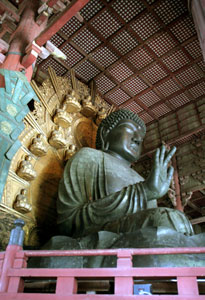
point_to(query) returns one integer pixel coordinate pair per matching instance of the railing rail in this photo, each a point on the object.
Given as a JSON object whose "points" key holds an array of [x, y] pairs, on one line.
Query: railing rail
{"points": [[130, 251]]}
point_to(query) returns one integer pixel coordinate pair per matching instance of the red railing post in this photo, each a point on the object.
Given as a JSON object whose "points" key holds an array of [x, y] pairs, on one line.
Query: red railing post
{"points": [[16, 284], [7, 264], [124, 285], [66, 286], [187, 285], [15, 244]]}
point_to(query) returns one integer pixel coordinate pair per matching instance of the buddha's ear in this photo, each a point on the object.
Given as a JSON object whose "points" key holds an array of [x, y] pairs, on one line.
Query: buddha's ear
{"points": [[103, 136]]}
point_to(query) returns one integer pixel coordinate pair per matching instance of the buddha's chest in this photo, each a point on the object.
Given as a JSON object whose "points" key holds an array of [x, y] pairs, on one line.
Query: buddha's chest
{"points": [[119, 176]]}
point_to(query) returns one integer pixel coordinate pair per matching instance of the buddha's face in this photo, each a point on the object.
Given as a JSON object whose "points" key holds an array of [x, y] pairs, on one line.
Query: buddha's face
{"points": [[125, 140]]}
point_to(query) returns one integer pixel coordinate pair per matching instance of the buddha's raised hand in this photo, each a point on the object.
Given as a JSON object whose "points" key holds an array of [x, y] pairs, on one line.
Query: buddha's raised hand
{"points": [[159, 179]]}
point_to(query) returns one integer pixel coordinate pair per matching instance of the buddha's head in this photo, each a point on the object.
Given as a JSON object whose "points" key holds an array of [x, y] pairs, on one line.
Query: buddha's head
{"points": [[121, 134]]}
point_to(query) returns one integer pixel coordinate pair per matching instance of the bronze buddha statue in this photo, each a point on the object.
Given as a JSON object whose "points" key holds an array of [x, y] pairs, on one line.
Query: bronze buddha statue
{"points": [[103, 203], [100, 192]]}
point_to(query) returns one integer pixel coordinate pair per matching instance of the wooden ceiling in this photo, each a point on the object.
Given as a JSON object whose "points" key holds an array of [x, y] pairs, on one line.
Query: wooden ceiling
{"points": [[144, 55]]}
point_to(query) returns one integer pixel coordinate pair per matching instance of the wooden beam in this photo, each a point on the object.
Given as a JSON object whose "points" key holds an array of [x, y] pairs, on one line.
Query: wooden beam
{"points": [[197, 220], [173, 141], [195, 207], [177, 186], [10, 8], [72, 9]]}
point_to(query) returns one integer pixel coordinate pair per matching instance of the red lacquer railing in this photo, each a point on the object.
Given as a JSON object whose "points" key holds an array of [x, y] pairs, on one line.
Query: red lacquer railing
{"points": [[13, 271]]}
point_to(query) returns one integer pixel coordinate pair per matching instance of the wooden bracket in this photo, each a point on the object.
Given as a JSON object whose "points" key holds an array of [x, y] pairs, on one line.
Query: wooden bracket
{"points": [[32, 52]]}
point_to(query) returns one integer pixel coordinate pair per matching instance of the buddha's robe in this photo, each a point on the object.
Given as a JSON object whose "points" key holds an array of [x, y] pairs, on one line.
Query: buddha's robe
{"points": [[99, 192]]}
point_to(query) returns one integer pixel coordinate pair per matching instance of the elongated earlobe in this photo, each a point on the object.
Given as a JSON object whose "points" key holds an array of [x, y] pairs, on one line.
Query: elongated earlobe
{"points": [[103, 137], [106, 146]]}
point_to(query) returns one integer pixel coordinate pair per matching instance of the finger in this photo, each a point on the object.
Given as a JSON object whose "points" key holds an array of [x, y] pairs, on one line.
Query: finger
{"points": [[169, 156], [156, 158], [170, 175], [162, 153]]}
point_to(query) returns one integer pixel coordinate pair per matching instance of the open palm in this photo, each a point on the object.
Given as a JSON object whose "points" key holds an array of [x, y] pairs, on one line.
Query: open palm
{"points": [[159, 179]]}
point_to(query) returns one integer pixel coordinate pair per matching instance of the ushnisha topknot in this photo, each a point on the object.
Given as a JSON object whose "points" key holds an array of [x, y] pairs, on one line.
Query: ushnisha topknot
{"points": [[113, 119]]}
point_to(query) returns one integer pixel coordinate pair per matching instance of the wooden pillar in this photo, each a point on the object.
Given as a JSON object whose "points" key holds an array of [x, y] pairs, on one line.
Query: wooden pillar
{"points": [[197, 8], [177, 186], [15, 244], [23, 36]]}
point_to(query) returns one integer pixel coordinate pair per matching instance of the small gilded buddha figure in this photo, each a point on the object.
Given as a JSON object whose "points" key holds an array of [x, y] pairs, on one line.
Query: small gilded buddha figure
{"points": [[26, 170], [62, 118], [38, 146], [89, 110], [101, 115], [71, 103], [21, 203], [56, 139]]}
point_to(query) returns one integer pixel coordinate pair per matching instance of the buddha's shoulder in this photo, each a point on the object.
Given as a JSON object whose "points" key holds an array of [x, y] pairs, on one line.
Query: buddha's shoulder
{"points": [[89, 153]]}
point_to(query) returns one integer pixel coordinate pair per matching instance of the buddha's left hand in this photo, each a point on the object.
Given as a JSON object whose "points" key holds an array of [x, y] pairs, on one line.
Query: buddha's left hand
{"points": [[159, 179]]}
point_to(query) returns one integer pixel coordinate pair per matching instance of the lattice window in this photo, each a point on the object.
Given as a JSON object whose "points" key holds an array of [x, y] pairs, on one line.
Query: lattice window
{"points": [[194, 49], [198, 90], [86, 40], [120, 71], [90, 9], [170, 10], [133, 106], [73, 56], [183, 29], [87, 70], [135, 85], [58, 68], [124, 42], [175, 60], [71, 26], [161, 43], [149, 98], [146, 25], [168, 87], [189, 76], [161, 110], [146, 118], [128, 9], [104, 56], [104, 84], [57, 40], [154, 73], [101, 24], [140, 58], [118, 96], [179, 100]]}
